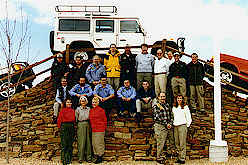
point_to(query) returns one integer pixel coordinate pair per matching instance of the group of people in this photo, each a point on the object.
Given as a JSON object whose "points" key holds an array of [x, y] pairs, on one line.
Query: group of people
{"points": [[158, 79]]}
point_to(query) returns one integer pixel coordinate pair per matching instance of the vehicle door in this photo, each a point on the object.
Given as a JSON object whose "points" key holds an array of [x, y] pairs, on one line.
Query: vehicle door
{"points": [[105, 32], [130, 32]]}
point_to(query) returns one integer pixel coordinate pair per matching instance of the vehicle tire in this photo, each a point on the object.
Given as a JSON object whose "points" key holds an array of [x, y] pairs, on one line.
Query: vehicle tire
{"points": [[168, 43], [4, 94], [82, 44], [51, 38], [228, 77]]}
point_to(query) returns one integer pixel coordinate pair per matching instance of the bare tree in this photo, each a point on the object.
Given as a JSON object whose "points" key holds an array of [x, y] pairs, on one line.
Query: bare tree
{"points": [[14, 38]]}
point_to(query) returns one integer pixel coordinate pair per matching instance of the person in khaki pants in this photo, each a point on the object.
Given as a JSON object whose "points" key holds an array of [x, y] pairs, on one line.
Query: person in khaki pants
{"points": [[163, 125], [195, 80], [161, 71], [182, 120], [178, 74]]}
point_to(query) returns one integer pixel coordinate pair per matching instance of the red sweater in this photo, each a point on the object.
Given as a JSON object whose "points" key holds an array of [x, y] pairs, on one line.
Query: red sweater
{"points": [[66, 115], [98, 119]]}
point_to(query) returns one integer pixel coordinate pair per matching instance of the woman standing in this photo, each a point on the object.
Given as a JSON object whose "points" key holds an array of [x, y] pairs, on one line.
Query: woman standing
{"points": [[182, 120], [98, 123], [66, 122], [83, 131]]}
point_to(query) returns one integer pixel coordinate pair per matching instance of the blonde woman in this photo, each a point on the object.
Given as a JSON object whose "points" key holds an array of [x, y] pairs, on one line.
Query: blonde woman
{"points": [[98, 122], [83, 131], [182, 120]]}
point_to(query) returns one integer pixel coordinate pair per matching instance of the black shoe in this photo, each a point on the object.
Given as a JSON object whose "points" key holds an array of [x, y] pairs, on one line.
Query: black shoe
{"points": [[180, 161], [54, 120], [160, 161], [98, 160]]}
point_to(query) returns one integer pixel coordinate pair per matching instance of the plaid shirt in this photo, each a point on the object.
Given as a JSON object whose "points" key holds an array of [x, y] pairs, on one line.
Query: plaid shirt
{"points": [[162, 114]]}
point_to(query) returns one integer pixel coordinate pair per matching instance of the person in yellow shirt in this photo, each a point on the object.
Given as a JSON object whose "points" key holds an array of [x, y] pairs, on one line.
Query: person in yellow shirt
{"points": [[111, 62]]}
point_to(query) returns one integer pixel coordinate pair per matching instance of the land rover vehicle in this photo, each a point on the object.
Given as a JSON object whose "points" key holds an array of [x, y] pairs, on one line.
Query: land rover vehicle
{"points": [[95, 27], [234, 64], [16, 78]]}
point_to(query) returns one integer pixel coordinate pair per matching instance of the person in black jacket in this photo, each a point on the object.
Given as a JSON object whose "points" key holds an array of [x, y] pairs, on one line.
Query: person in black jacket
{"points": [[145, 97], [59, 70], [178, 75], [196, 74], [127, 63]]}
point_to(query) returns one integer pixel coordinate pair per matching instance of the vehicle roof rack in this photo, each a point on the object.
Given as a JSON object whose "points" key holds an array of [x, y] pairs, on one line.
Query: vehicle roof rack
{"points": [[87, 9]]}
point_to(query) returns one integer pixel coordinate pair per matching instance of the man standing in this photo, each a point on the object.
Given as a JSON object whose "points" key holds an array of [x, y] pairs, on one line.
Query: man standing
{"points": [[61, 94], [127, 63], [178, 74], [126, 98], [77, 71], [111, 62], [81, 89], [163, 125], [170, 57], [196, 75], [95, 71], [59, 70], [105, 93], [144, 66], [161, 70]]}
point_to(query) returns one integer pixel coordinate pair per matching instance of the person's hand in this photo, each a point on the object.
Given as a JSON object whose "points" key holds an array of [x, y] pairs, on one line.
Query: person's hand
{"points": [[128, 99], [104, 99], [123, 98], [78, 95], [168, 126], [66, 74]]}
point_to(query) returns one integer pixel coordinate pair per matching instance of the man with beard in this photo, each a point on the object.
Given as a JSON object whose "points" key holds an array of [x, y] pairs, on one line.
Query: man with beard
{"points": [[81, 89]]}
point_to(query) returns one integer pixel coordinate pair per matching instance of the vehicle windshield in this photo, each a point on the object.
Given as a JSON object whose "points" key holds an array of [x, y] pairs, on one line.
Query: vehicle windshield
{"points": [[74, 25], [129, 26]]}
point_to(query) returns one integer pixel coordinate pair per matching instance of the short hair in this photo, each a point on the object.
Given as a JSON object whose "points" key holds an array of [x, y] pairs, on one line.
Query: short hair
{"points": [[144, 45], [112, 44], [194, 54], [82, 77], [103, 76], [145, 81], [96, 56], [160, 93], [96, 99]]}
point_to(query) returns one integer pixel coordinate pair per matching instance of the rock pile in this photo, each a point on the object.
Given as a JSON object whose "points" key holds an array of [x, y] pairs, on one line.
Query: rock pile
{"points": [[32, 133]]}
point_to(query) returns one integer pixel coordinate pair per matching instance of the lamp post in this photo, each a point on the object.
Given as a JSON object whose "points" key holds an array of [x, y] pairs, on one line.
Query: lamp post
{"points": [[218, 150]]}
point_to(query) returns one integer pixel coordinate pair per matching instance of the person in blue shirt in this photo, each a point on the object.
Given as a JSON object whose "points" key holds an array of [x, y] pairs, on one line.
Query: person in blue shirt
{"points": [[95, 71], [80, 89], [126, 98], [105, 93]]}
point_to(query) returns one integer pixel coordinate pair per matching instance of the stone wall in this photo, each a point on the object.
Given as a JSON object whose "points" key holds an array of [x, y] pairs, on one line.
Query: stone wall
{"points": [[33, 134]]}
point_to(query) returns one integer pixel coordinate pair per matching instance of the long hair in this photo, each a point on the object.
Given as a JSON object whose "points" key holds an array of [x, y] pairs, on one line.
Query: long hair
{"points": [[175, 104]]}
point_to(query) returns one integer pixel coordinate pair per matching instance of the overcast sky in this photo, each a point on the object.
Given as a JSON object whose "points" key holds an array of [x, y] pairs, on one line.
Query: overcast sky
{"points": [[201, 22]]}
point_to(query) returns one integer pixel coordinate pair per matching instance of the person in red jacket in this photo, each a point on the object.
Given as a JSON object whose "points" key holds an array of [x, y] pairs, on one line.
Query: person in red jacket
{"points": [[98, 121], [66, 122]]}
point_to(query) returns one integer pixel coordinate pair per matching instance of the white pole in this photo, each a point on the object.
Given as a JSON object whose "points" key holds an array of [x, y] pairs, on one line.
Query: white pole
{"points": [[218, 151]]}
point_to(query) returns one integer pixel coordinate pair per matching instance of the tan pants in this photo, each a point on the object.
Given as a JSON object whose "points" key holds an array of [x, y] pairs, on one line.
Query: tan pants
{"points": [[178, 86], [114, 82], [161, 135], [98, 143], [143, 76], [56, 108], [142, 105], [180, 135], [196, 91], [160, 82]]}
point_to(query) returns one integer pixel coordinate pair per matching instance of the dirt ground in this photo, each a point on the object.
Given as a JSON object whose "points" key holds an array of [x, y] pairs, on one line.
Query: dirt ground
{"points": [[29, 161]]}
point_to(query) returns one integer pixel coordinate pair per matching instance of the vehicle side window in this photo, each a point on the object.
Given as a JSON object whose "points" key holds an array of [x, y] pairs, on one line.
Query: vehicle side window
{"points": [[129, 26], [74, 25], [105, 26]]}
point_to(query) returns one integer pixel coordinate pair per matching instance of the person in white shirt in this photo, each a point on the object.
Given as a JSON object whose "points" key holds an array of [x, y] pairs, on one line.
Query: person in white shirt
{"points": [[182, 120], [161, 70]]}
